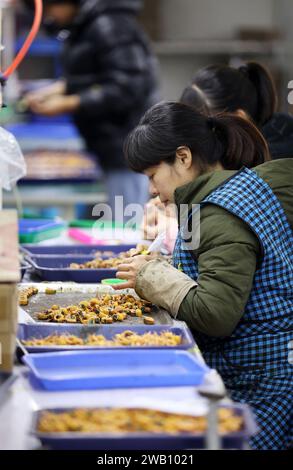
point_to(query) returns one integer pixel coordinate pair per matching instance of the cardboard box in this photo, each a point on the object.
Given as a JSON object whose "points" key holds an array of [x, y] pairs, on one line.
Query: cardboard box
{"points": [[9, 276], [8, 308], [9, 258], [7, 348], [8, 325]]}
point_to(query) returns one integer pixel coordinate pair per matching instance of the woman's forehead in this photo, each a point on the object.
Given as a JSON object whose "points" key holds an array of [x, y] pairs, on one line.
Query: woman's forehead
{"points": [[152, 169]]}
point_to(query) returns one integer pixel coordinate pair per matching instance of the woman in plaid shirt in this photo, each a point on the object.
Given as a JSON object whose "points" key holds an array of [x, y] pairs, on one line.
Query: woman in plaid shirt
{"points": [[233, 286]]}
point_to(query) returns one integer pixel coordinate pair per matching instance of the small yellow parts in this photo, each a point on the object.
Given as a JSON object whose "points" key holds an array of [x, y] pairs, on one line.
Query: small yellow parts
{"points": [[148, 320], [138, 312], [106, 309], [50, 291], [127, 421], [25, 294], [23, 300], [127, 338], [107, 260]]}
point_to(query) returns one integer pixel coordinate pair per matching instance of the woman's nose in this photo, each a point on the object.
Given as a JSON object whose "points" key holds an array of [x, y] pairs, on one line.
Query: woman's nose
{"points": [[153, 190]]}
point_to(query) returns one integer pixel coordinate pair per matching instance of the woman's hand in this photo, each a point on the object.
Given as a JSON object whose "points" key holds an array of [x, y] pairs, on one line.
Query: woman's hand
{"points": [[41, 94], [150, 219], [57, 104], [157, 218], [128, 270]]}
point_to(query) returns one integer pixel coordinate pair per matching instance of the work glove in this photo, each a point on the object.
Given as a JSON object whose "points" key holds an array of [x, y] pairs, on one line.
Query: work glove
{"points": [[163, 285]]}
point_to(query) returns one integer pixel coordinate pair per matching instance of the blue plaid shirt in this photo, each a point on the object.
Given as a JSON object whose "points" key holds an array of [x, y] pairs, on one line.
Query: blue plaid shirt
{"points": [[258, 347]]}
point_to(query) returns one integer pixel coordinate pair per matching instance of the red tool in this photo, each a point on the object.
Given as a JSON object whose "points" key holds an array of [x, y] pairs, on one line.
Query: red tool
{"points": [[26, 45]]}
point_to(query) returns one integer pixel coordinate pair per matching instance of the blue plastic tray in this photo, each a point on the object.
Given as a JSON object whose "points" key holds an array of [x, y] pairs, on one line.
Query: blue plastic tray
{"points": [[23, 268], [73, 250], [142, 441], [61, 119], [41, 46], [81, 175], [28, 226], [35, 230], [82, 179], [83, 370], [27, 331], [36, 130], [57, 269]]}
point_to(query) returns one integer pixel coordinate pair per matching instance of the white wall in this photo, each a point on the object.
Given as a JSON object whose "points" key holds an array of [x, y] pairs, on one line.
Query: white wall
{"points": [[204, 19], [283, 15], [176, 72], [184, 19]]}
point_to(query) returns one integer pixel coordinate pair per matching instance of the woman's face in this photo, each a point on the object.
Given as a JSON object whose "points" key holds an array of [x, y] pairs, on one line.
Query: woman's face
{"points": [[61, 14], [165, 178]]}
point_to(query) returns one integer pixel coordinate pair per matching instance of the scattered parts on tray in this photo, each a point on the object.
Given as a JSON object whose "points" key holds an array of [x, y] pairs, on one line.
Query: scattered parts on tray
{"points": [[106, 310], [25, 294], [58, 164], [121, 420], [50, 291], [148, 320], [99, 262], [126, 338]]}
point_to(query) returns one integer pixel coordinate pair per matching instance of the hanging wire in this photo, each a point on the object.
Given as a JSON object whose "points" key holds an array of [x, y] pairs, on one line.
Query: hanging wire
{"points": [[27, 43]]}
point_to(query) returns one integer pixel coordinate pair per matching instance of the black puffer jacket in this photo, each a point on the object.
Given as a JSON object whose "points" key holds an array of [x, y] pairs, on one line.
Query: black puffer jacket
{"points": [[278, 132], [109, 63]]}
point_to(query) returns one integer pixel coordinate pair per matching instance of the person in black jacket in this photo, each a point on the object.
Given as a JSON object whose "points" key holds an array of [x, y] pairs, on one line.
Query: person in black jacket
{"points": [[110, 80], [249, 89]]}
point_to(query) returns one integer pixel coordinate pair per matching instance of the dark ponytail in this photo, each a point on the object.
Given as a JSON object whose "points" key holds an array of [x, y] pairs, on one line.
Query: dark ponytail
{"points": [[227, 139], [265, 90], [193, 96], [220, 88], [243, 142]]}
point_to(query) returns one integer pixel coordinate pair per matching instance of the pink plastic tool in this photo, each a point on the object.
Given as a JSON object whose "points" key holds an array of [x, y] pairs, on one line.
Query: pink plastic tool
{"points": [[84, 237]]}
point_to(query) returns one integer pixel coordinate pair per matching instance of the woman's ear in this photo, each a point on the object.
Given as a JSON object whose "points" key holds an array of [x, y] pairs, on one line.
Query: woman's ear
{"points": [[184, 157]]}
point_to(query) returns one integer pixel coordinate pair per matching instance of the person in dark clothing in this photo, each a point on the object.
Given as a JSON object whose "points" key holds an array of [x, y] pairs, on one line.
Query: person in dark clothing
{"points": [[249, 89], [110, 80], [278, 132]]}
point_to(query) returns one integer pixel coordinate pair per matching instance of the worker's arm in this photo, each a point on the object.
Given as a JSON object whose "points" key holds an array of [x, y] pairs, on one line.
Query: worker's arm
{"points": [[56, 88], [52, 100]]}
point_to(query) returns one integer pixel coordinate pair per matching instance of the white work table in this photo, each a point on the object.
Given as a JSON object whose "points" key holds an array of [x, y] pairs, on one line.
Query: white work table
{"points": [[21, 400]]}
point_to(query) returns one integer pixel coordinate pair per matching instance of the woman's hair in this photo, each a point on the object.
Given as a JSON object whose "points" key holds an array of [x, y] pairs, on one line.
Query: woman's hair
{"points": [[220, 88], [227, 139]]}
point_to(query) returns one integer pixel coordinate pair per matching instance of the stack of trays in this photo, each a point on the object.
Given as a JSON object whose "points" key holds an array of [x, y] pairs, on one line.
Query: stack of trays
{"points": [[36, 230], [73, 250], [143, 440], [57, 268], [40, 331], [88, 370], [87, 367], [53, 263]]}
